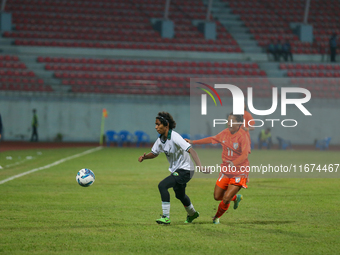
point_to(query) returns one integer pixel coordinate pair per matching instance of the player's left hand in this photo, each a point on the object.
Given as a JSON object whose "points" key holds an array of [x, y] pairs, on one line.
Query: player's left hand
{"points": [[205, 170]]}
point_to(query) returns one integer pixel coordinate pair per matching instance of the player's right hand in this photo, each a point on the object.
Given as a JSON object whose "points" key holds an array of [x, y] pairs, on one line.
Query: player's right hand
{"points": [[141, 158], [187, 140]]}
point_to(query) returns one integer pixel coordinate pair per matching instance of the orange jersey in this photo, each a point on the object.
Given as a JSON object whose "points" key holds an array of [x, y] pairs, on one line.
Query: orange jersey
{"points": [[233, 145], [248, 119]]}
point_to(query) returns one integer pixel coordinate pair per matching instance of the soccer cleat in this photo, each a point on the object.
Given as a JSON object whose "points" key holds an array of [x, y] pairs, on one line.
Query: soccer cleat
{"points": [[237, 201], [216, 220], [163, 220], [191, 218]]}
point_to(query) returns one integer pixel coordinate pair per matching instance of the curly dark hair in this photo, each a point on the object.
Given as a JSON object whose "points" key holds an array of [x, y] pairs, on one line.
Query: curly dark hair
{"points": [[166, 119]]}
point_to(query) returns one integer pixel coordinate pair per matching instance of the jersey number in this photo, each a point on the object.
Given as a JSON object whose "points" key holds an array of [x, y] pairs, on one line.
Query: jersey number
{"points": [[230, 152]]}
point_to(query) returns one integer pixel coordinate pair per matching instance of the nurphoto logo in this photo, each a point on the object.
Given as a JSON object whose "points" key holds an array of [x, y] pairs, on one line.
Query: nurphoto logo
{"points": [[238, 103]]}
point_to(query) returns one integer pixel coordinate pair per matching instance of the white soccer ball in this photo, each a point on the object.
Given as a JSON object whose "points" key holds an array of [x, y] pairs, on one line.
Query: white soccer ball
{"points": [[85, 177]]}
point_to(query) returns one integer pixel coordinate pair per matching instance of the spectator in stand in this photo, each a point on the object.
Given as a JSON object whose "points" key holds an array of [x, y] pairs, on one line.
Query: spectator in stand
{"points": [[265, 137], [287, 51], [322, 49], [278, 50], [271, 49], [332, 47]]}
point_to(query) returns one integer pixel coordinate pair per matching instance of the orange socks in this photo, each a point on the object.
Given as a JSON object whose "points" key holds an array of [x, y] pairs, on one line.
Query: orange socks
{"points": [[222, 208]]}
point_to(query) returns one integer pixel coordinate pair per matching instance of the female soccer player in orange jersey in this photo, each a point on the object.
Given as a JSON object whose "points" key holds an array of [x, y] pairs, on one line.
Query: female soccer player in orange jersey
{"points": [[235, 164]]}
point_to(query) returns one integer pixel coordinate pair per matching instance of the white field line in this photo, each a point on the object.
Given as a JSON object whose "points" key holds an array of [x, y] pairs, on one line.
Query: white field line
{"points": [[17, 163], [50, 165]]}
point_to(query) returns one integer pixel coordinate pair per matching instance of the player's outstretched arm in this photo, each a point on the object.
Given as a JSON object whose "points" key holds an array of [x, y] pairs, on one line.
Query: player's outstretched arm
{"points": [[150, 155], [206, 140]]}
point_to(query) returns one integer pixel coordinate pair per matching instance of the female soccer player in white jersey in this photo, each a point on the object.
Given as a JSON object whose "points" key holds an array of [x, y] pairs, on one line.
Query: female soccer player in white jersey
{"points": [[181, 167]]}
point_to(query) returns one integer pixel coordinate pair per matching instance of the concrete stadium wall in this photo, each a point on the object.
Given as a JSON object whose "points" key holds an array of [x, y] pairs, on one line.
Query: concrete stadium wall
{"points": [[78, 118], [149, 54]]}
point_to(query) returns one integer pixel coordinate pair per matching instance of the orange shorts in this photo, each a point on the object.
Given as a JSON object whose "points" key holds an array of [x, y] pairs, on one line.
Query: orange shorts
{"points": [[223, 182]]}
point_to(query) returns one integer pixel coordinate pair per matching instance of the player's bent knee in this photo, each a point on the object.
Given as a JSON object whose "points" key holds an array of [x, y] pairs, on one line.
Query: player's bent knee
{"points": [[161, 186], [226, 199], [179, 196], [218, 197]]}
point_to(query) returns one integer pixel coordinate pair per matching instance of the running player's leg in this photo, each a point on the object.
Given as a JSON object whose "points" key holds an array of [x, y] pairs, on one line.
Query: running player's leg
{"points": [[229, 194], [163, 187], [220, 188], [219, 192], [180, 195]]}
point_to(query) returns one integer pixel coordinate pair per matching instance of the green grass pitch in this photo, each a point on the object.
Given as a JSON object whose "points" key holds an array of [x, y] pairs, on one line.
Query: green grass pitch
{"points": [[47, 212]]}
